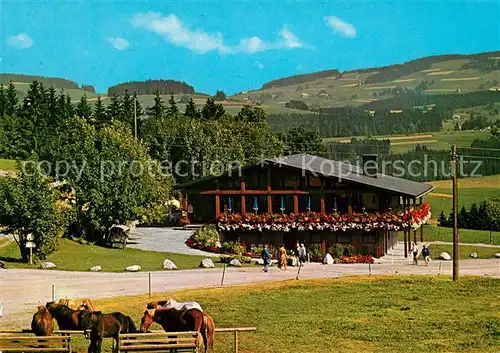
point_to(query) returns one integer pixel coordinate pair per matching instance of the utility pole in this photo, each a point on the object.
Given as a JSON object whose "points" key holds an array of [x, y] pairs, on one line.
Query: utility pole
{"points": [[455, 212], [135, 117]]}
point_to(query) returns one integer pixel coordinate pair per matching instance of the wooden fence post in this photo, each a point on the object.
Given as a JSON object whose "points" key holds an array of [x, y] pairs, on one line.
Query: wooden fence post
{"points": [[149, 285], [236, 341], [223, 274]]}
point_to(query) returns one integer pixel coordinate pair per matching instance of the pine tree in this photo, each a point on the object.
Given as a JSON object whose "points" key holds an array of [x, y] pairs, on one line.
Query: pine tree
{"points": [[128, 109], [3, 100], [70, 109], [442, 220], [83, 108], [212, 110], [158, 109], [52, 107], [191, 110], [463, 218], [115, 108], [12, 101], [172, 109], [474, 217], [99, 115]]}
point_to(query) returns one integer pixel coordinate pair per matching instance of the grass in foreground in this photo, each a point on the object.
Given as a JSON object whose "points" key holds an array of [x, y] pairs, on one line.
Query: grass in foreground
{"points": [[73, 256], [483, 252], [350, 314], [435, 233], [8, 165]]}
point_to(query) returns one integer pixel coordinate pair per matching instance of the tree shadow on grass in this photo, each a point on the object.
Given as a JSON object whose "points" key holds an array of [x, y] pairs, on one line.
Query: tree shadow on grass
{"points": [[10, 259]]}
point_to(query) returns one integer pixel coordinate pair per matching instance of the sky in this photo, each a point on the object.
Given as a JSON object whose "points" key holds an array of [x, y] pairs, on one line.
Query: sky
{"points": [[232, 45]]}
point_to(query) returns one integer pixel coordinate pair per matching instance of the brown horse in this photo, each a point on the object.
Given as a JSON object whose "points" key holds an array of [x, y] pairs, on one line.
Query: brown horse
{"points": [[105, 325], [77, 304], [172, 320], [67, 319], [42, 324]]}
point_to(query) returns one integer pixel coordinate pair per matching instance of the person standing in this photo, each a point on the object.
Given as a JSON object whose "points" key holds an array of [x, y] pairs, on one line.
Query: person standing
{"points": [[426, 253], [282, 258], [266, 256], [414, 249]]}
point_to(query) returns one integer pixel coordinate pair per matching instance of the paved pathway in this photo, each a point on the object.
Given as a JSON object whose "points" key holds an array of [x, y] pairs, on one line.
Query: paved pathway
{"points": [[22, 290], [165, 240]]}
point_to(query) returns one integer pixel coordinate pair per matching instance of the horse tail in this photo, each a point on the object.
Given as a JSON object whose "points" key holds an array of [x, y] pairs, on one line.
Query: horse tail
{"points": [[209, 329]]}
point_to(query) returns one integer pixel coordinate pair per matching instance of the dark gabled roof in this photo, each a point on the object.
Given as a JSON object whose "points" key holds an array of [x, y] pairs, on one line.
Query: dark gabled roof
{"points": [[352, 173], [342, 171]]}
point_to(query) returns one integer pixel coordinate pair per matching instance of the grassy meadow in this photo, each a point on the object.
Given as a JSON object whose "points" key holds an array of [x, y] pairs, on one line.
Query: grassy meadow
{"points": [[470, 190], [464, 252], [73, 256], [8, 165], [349, 314]]}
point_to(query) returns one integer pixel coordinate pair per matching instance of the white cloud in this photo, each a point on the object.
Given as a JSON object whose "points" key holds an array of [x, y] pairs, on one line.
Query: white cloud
{"points": [[174, 31], [119, 43], [20, 41], [341, 27], [259, 65], [290, 40]]}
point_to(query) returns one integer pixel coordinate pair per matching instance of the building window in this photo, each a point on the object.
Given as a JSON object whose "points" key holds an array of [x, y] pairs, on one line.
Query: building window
{"points": [[369, 238], [344, 239]]}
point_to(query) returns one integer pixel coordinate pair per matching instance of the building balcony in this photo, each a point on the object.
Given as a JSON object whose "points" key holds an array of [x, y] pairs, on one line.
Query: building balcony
{"points": [[405, 219]]}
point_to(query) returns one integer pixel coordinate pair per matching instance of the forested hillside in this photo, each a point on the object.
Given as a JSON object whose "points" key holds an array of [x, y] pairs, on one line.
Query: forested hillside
{"points": [[151, 87]]}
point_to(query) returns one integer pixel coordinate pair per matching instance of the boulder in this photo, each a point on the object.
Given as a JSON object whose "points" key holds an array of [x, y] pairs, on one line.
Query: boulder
{"points": [[328, 260], [133, 268], [95, 268], [293, 261], [207, 263], [259, 262], [444, 256], [45, 265], [473, 255], [497, 255], [235, 263], [169, 265]]}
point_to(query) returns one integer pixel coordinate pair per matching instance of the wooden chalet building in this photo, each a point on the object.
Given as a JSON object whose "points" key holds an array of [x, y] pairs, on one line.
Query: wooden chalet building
{"points": [[310, 199]]}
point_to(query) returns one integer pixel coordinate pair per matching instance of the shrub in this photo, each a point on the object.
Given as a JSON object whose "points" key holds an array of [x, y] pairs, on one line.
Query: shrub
{"points": [[228, 258], [336, 250], [205, 238], [349, 250], [233, 247], [315, 252]]}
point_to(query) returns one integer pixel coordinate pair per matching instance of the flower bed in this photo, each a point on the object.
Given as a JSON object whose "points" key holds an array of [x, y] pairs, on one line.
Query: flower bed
{"points": [[396, 220], [357, 259]]}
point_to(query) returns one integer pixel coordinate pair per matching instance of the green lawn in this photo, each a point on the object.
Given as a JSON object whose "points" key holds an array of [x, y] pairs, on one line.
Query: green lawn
{"points": [[8, 164], [350, 314], [483, 252], [435, 233], [73, 256]]}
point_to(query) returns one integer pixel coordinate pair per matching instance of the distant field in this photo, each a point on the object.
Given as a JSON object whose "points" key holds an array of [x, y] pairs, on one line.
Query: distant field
{"points": [[470, 190], [464, 251], [471, 236], [435, 140]]}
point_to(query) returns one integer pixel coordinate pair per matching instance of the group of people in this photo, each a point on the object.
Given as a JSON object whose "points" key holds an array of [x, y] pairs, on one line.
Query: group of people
{"points": [[300, 253], [425, 253]]}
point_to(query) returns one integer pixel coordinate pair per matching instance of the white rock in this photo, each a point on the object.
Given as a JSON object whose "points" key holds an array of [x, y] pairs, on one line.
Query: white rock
{"points": [[96, 268], [259, 262], [207, 263], [293, 261], [46, 265], [133, 268], [474, 255], [328, 259], [497, 255], [274, 262], [445, 256], [235, 263], [169, 265]]}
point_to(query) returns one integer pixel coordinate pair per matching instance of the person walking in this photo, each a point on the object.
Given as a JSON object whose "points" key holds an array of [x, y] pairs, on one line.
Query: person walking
{"points": [[426, 253], [414, 249], [282, 258], [266, 256], [302, 254]]}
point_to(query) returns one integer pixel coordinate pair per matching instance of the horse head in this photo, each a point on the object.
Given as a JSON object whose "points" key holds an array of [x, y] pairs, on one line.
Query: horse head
{"points": [[147, 320]]}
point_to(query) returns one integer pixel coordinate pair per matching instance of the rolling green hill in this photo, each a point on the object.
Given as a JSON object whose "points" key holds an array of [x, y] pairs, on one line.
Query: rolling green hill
{"points": [[432, 75]]}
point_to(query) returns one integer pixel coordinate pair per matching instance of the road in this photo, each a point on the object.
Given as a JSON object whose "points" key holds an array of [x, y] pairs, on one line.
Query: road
{"points": [[22, 290]]}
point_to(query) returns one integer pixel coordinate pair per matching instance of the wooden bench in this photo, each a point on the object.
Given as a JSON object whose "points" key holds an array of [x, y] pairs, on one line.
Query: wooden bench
{"points": [[158, 342], [29, 343]]}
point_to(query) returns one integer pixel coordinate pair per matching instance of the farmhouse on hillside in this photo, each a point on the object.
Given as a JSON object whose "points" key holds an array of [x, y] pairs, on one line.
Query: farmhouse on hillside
{"points": [[310, 199]]}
